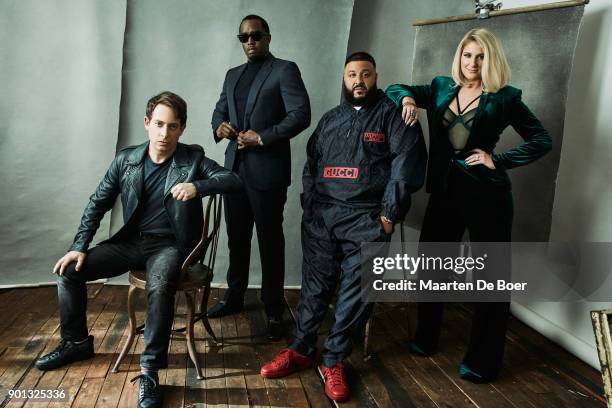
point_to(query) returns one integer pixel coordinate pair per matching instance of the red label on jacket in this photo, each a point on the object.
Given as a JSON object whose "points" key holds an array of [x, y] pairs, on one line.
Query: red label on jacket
{"points": [[340, 172], [374, 137]]}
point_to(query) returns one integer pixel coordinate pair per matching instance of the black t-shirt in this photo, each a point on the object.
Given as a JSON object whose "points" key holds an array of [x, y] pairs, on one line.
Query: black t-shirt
{"points": [[153, 216]]}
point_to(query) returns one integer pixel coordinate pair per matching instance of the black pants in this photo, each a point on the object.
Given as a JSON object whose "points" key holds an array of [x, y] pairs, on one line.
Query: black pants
{"points": [[487, 215], [265, 210], [331, 246], [162, 261]]}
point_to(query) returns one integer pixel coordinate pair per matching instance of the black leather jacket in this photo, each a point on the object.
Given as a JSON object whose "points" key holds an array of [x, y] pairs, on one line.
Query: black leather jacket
{"points": [[125, 177]]}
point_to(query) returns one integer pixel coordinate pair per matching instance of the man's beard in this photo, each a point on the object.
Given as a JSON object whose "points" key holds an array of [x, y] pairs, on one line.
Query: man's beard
{"points": [[370, 95]]}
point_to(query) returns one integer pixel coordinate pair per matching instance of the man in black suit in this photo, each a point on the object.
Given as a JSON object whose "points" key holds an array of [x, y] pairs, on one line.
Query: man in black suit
{"points": [[262, 105]]}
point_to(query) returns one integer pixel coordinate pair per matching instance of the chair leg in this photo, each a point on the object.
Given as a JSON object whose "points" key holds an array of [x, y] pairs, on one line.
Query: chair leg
{"points": [[203, 314], [366, 338], [133, 328], [190, 344]]}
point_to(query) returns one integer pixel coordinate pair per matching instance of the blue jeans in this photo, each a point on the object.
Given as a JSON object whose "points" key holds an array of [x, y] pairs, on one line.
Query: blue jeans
{"points": [[162, 260]]}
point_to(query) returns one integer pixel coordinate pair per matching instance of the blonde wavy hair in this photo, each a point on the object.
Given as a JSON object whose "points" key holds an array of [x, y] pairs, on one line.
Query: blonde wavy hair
{"points": [[495, 70]]}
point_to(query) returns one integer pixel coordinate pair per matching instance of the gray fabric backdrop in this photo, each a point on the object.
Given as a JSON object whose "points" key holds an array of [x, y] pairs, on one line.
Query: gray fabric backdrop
{"points": [[76, 71], [60, 64], [190, 53], [540, 49]]}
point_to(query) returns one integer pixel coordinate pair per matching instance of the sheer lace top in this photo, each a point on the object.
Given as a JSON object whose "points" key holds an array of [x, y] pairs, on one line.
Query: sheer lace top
{"points": [[459, 126]]}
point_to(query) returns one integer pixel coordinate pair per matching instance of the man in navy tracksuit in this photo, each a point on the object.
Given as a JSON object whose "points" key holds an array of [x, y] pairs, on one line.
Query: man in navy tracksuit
{"points": [[362, 166]]}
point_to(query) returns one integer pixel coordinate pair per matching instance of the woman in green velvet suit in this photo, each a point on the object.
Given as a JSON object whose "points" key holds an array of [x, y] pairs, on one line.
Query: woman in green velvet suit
{"points": [[469, 186]]}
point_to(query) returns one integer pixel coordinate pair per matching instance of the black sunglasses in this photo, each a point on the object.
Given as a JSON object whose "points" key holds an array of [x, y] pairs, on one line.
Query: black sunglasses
{"points": [[255, 35]]}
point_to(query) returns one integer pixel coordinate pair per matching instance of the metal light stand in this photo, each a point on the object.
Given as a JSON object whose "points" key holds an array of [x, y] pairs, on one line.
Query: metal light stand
{"points": [[484, 7]]}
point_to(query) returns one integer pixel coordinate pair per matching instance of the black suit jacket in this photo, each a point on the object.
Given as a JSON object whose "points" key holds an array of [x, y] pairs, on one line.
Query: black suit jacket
{"points": [[278, 109]]}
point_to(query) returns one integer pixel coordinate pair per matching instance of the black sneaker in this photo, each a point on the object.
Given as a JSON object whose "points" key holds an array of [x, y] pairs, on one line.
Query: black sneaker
{"points": [[149, 392], [65, 353]]}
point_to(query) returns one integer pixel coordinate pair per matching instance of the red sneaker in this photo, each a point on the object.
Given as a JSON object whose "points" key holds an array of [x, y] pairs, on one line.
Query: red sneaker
{"points": [[286, 362], [336, 387]]}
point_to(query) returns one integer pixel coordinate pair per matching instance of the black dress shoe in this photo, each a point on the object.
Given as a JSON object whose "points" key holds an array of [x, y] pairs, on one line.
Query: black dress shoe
{"points": [[276, 329], [224, 309], [65, 353], [149, 392]]}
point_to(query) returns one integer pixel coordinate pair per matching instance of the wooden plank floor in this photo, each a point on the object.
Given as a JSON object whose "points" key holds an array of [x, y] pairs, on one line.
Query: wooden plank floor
{"points": [[536, 373]]}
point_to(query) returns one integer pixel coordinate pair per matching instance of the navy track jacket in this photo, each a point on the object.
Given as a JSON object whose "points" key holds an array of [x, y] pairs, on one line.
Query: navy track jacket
{"points": [[366, 158]]}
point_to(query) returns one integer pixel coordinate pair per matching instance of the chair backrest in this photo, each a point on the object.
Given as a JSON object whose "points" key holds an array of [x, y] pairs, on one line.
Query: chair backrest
{"points": [[205, 252]]}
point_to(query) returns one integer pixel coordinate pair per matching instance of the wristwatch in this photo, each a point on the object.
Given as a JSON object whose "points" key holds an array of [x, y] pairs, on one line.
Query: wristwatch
{"points": [[385, 219], [259, 141]]}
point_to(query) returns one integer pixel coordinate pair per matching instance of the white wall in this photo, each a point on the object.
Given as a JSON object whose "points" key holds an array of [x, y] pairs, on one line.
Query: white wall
{"points": [[584, 196]]}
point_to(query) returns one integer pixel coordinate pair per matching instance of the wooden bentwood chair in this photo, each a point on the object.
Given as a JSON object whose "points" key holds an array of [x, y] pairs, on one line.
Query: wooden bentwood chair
{"points": [[196, 275]]}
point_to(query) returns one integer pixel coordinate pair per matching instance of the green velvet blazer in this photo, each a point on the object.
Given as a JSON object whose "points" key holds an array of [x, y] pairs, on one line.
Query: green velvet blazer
{"points": [[495, 112]]}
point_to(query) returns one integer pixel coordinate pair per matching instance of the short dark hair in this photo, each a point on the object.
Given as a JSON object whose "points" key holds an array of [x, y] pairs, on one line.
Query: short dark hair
{"points": [[360, 56], [263, 22], [171, 100]]}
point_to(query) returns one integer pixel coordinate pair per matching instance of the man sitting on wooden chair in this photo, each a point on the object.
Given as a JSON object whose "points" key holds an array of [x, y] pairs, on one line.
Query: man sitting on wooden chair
{"points": [[161, 183]]}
